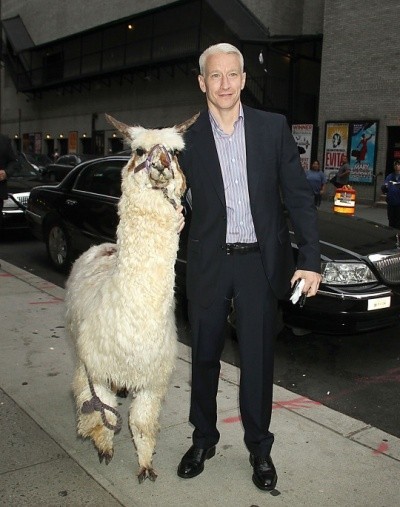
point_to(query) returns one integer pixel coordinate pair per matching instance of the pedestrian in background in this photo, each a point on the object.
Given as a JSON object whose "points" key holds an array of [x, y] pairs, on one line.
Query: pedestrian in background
{"points": [[317, 180], [238, 162], [342, 176], [391, 188], [7, 157]]}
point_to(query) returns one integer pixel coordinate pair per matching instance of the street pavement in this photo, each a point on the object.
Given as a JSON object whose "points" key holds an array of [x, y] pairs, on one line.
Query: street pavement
{"points": [[323, 458]]}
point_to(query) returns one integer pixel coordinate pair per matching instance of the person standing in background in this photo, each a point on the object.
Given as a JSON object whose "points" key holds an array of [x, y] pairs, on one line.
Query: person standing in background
{"points": [[391, 188], [317, 180], [343, 174]]}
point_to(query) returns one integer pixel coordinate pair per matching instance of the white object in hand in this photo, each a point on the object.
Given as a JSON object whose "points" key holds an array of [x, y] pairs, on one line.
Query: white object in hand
{"points": [[297, 292]]}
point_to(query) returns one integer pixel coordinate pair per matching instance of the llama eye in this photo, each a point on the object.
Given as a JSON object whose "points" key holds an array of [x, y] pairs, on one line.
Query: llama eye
{"points": [[176, 152], [140, 151]]}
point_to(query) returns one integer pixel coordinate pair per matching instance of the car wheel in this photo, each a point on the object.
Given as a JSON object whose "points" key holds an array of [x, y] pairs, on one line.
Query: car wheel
{"points": [[58, 247]]}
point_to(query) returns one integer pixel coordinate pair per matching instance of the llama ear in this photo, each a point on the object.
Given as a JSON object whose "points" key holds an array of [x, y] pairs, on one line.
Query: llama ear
{"points": [[122, 127], [182, 127]]}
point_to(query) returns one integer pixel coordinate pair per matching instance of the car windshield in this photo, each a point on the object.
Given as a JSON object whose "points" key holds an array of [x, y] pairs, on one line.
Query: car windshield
{"points": [[37, 158], [30, 158], [21, 169]]}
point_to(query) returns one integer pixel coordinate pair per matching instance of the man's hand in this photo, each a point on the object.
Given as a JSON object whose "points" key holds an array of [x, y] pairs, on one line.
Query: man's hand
{"points": [[181, 218], [311, 281]]}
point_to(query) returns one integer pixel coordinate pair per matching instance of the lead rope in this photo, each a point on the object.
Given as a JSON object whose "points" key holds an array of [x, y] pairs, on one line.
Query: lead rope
{"points": [[171, 201], [95, 404]]}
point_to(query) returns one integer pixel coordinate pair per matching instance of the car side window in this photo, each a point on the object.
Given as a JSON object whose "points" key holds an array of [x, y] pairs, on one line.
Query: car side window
{"points": [[102, 178]]}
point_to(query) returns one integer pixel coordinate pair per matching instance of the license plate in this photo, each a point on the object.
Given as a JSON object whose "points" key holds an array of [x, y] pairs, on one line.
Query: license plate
{"points": [[378, 303]]}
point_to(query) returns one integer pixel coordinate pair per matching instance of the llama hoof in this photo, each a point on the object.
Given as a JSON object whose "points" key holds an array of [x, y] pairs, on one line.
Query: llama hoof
{"points": [[107, 456], [145, 473]]}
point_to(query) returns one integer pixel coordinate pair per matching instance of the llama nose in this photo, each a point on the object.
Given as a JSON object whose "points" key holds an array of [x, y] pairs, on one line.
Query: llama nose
{"points": [[158, 167], [164, 160]]}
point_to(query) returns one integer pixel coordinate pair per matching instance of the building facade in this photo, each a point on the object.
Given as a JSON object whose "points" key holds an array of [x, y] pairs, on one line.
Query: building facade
{"points": [[329, 65], [360, 81]]}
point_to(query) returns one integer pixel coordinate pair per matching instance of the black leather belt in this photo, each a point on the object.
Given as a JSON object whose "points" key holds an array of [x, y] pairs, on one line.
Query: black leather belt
{"points": [[241, 248]]}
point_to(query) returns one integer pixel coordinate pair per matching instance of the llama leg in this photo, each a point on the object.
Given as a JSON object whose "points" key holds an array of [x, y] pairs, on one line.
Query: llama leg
{"points": [[90, 425], [143, 422]]}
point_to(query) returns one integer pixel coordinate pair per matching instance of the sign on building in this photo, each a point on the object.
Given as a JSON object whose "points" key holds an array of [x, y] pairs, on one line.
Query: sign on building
{"points": [[302, 134]]}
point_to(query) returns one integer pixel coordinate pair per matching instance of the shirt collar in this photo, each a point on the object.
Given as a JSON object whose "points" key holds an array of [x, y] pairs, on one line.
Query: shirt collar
{"points": [[215, 125]]}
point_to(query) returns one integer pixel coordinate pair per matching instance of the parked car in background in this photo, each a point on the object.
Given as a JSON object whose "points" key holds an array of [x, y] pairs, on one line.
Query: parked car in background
{"points": [[360, 260], [57, 170], [38, 160], [22, 177], [78, 212]]}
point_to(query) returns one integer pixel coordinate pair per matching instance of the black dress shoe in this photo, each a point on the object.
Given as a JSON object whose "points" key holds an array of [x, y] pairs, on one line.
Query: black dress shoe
{"points": [[264, 476], [192, 463]]}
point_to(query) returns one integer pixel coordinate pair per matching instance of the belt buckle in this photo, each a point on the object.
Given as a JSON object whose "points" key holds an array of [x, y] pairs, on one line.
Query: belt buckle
{"points": [[229, 248]]}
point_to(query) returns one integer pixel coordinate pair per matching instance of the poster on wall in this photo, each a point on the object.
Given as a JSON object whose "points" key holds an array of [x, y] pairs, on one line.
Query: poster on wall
{"points": [[336, 145], [363, 151], [73, 141], [302, 134], [38, 142], [357, 140]]}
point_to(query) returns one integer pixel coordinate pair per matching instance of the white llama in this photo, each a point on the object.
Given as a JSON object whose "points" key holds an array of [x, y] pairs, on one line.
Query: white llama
{"points": [[120, 299]]}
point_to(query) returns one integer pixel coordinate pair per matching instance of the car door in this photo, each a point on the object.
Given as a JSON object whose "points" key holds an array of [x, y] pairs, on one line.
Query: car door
{"points": [[93, 201]]}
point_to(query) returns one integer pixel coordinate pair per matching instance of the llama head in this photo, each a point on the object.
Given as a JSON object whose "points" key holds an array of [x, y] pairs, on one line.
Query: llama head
{"points": [[154, 162]]}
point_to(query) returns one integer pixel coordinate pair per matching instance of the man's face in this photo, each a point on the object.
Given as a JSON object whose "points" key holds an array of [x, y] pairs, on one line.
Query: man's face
{"points": [[397, 168], [223, 81]]}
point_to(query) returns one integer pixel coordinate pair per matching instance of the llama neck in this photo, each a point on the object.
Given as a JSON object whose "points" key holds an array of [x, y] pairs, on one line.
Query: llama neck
{"points": [[147, 236]]}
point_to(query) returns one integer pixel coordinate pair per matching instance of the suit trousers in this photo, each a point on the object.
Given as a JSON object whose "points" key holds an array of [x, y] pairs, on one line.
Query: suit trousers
{"points": [[241, 280]]}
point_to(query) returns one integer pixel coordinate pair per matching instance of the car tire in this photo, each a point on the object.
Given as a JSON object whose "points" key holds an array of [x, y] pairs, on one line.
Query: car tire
{"points": [[58, 247]]}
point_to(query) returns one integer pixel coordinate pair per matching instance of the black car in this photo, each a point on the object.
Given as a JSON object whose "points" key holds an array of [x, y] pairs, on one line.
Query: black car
{"points": [[58, 170], [360, 259], [21, 178]]}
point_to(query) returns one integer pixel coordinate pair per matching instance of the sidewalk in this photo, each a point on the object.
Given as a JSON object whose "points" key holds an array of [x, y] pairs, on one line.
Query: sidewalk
{"points": [[323, 458]]}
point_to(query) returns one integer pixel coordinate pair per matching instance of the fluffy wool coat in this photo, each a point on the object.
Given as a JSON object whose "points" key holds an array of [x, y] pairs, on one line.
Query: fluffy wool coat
{"points": [[120, 298]]}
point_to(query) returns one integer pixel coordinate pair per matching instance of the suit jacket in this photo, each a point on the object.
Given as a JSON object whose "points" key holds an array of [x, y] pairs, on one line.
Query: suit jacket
{"points": [[274, 173], [7, 156]]}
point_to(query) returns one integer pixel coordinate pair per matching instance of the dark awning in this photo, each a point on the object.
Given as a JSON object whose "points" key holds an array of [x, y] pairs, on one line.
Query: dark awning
{"points": [[17, 34], [240, 20]]}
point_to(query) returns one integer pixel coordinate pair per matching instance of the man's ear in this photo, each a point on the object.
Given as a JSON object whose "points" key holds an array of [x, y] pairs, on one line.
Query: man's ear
{"points": [[201, 83], [243, 80]]}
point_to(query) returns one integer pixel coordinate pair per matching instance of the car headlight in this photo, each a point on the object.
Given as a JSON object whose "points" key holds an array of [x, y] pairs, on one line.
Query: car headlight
{"points": [[10, 204], [346, 273]]}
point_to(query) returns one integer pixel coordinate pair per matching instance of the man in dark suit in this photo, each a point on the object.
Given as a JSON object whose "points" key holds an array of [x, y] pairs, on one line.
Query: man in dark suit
{"points": [[7, 156], [239, 161]]}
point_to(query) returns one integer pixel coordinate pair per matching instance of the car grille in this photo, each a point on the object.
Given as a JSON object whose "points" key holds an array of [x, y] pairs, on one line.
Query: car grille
{"points": [[23, 199], [389, 268]]}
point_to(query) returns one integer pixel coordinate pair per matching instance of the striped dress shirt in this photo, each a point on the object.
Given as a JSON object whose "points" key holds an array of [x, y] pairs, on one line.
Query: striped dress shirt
{"points": [[231, 149]]}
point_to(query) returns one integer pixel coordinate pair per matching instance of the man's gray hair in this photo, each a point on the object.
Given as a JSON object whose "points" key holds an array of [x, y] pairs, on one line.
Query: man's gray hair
{"points": [[222, 47]]}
